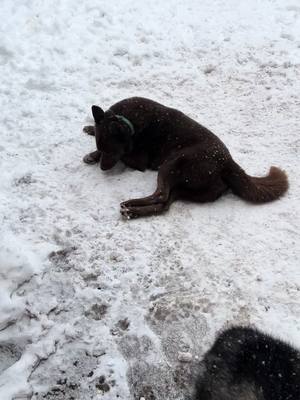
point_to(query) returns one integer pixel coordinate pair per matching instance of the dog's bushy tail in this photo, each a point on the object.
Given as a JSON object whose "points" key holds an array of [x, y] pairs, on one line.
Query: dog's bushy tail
{"points": [[256, 190]]}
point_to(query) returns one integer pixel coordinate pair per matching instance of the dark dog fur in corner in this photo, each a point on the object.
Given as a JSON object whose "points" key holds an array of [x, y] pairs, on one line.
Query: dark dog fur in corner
{"points": [[245, 364], [192, 162]]}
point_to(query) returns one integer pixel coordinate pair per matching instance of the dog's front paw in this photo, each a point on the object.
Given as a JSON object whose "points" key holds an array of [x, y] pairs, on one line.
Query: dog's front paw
{"points": [[90, 130], [88, 159]]}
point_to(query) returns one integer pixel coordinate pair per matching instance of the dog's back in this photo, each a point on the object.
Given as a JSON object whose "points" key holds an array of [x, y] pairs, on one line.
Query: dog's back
{"points": [[245, 364]]}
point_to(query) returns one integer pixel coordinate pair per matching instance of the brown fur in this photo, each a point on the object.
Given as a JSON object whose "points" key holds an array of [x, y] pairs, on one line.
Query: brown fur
{"points": [[256, 190], [192, 162]]}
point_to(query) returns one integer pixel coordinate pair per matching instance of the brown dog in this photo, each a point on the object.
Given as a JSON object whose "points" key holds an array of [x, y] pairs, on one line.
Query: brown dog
{"points": [[192, 162]]}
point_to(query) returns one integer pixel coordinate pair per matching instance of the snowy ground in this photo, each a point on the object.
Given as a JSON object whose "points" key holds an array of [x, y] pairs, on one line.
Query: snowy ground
{"points": [[94, 307]]}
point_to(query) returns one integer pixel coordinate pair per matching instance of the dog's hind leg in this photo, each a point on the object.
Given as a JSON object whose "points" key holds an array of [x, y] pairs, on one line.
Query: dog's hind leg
{"points": [[152, 209], [159, 201], [185, 177], [162, 192], [212, 192]]}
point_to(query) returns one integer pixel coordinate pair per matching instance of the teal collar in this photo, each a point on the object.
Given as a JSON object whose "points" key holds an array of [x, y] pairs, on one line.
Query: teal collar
{"points": [[127, 122]]}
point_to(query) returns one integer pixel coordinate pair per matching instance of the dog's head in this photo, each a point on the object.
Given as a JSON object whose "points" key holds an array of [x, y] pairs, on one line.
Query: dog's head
{"points": [[113, 137]]}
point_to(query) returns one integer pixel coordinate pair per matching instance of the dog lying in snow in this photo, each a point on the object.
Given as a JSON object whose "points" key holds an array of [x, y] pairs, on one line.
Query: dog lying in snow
{"points": [[245, 364], [192, 162]]}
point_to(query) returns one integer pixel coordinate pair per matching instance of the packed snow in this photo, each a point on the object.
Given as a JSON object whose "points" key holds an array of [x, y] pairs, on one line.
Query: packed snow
{"points": [[95, 307]]}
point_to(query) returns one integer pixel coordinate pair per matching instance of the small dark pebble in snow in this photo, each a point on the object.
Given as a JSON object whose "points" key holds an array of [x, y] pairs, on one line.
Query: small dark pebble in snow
{"points": [[24, 180], [124, 324], [209, 69], [102, 385], [61, 381], [73, 386]]}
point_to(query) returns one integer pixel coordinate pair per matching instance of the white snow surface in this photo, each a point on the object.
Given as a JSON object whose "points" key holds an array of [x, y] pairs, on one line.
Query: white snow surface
{"points": [[71, 268]]}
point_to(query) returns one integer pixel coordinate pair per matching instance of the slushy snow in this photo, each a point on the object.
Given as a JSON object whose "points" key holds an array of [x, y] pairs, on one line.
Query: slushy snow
{"points": [[95, 307]]}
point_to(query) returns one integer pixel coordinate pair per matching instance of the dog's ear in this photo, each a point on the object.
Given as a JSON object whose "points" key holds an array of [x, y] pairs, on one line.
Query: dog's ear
{"points": [[98, 114]]}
